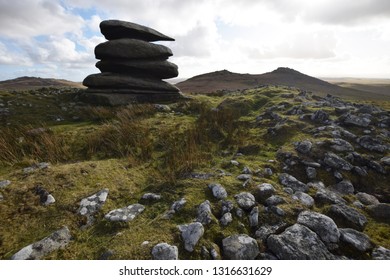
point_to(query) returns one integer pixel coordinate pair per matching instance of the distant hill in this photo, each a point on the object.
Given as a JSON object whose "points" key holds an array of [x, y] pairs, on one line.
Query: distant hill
{"points": [[225, 80], [378, 86], [27, 83]]}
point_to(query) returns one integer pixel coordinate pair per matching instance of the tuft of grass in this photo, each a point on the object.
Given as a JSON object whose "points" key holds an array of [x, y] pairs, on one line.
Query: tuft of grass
{"points": [[98, 113], [220, 126], [183, 152], [18, 144], [126, 135]]}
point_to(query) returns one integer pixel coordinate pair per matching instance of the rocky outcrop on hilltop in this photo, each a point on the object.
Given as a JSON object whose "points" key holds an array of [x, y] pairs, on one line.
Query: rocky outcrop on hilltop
{"points": [[132, 68]]}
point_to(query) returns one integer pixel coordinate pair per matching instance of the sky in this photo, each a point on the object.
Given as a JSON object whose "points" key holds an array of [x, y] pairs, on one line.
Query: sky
{"points": [[322, 38]]}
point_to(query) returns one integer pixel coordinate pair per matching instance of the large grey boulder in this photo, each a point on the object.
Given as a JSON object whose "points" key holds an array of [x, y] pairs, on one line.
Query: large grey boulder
{"points": [[311, 172], [368, 109], [372, 144], [385, 160], [126, 83], [276, 210], [126, 96], [350, 119], [57, 240], [263, 191], [226, 206], [355, 240], [92, 204], [340, 145], [204, 213], [191, 235], [240, 247], [125, 214], [367, 199], [343, 187], [320, 116], [347, 217], [304, 146], [244, 177], [226, 219], [337, 162], [161, 69], [245, 200], [298, 243], [131, 49], [218, 191], [377, 166], [290, 181], [322, 225], [324, 196], [274, 200], [164, 251], [380, 211], [266, 230], [117, 29], [381, 253], [360, 170], [303, 198]]}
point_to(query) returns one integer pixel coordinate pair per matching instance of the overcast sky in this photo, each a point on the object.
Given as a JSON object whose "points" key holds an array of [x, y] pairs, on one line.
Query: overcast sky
{"points": [[322, 38]]}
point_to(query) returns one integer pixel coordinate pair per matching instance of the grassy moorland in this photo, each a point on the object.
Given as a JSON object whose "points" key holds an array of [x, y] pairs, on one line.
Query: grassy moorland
{"points": [[175, 151]]}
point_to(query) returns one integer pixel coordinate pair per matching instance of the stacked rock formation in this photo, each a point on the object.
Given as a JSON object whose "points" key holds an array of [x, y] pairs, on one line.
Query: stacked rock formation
{"points": [[132, 67]]}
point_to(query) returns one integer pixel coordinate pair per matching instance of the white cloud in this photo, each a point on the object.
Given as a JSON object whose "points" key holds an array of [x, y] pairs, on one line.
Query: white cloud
{"points": [[21, 19], [10, 57], [301, 45], [93, 23], [201, 41]]}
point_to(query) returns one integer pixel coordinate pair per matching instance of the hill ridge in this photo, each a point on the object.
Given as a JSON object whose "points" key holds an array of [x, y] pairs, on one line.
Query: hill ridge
{"points": [[31, 82], [282, 76]]}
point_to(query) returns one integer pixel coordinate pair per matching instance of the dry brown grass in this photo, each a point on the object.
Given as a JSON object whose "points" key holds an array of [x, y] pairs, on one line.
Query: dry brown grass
{"points": [[19, 144], [198, 144], [219, 126], [126, 135], [182, 153]]}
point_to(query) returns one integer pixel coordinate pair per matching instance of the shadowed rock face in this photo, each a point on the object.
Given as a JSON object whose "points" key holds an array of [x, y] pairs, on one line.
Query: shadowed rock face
{"points": [[115, 29], [121, 81], [132, 67], [298, 243], [160, 69], [240, 247], [131, 49]]}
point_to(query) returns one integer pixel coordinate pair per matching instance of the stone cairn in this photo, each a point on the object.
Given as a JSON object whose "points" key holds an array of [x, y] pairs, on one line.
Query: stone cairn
{"points": [[132, 67]]}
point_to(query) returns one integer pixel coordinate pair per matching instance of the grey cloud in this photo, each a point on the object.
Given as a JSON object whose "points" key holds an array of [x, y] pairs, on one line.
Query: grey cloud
{"points": [[197, 42], [347, 12]]}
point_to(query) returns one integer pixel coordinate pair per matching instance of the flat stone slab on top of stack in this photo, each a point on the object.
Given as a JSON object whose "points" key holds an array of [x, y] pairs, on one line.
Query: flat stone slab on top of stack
{"points": [[132, 67]]}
